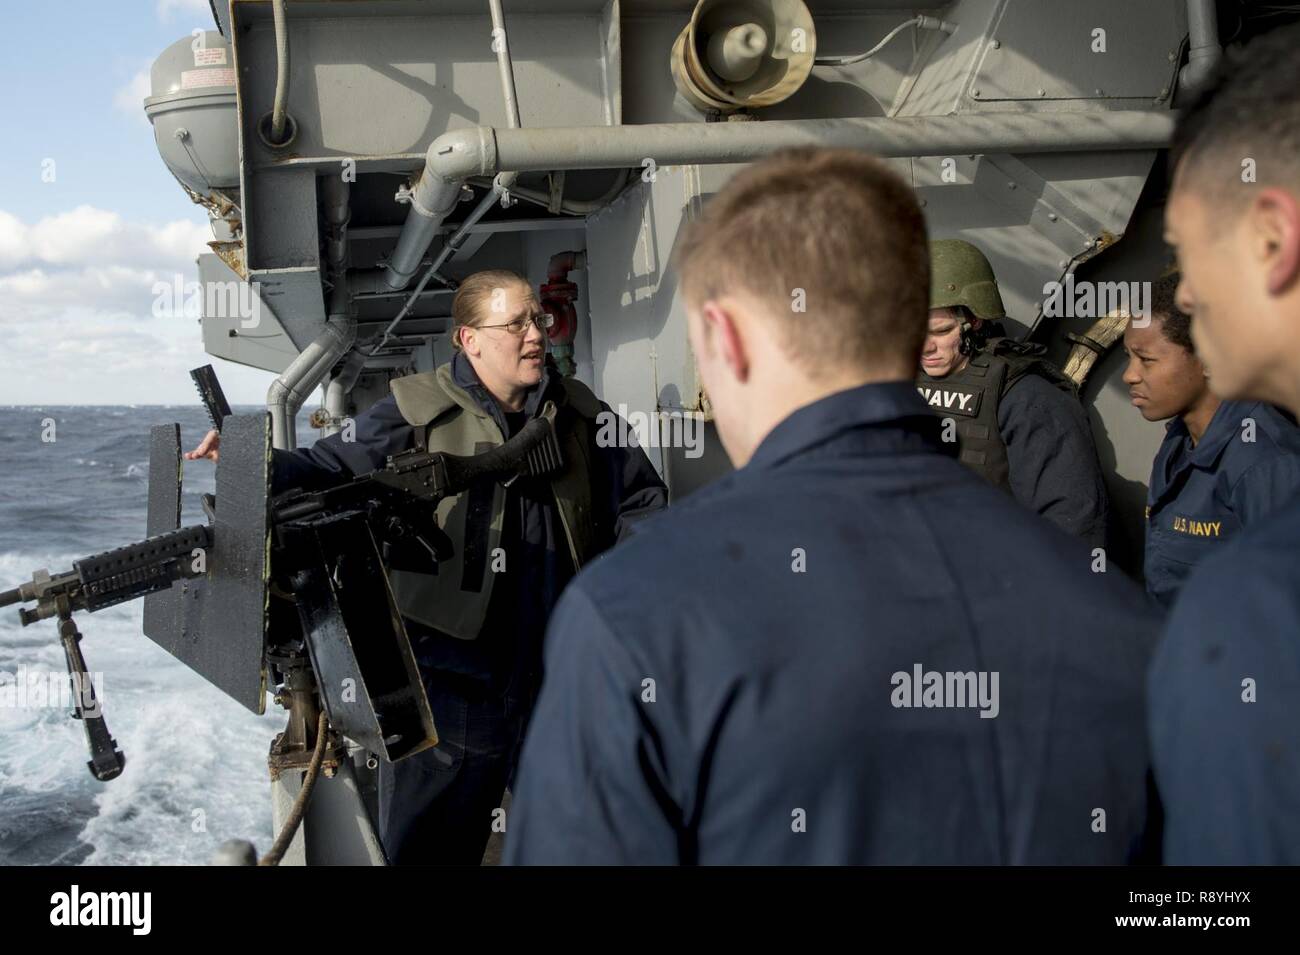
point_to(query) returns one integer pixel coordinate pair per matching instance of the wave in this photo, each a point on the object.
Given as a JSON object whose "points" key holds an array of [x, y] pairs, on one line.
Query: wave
{"points": [[195, 760], [20, 564]]}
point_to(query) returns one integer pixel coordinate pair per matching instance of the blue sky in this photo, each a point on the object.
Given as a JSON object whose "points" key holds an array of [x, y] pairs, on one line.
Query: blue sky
{"points": [[79, 255]]}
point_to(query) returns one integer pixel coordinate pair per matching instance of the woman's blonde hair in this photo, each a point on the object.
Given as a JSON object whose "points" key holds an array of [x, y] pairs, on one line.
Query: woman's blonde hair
{"points": [[476, 296]]}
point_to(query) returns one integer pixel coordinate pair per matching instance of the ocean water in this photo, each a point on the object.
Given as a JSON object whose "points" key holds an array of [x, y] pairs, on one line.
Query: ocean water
{"points": [[195, 771]]}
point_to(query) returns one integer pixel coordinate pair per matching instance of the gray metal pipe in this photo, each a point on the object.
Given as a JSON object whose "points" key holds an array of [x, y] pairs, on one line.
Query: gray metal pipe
{"points": [[340, 385], [288, 392], [337, 194], [457, 238], [506, 67], [279, 111], [373, 283], [480, 150], [433, 199], [454, 242], [1203, 49], [574, 207], [502, 47], [463, 153], [431, 203]]}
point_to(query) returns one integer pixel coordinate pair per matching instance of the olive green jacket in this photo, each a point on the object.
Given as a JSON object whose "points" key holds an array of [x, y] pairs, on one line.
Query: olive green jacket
{"points": [[455, 598]]}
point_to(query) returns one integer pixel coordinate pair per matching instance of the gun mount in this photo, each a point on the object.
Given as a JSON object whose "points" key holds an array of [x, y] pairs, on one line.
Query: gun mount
{"points": [[283, 590]]}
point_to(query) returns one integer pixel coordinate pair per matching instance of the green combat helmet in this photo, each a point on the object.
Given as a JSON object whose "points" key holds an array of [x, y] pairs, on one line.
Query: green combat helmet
{"points": [[960, 275]]}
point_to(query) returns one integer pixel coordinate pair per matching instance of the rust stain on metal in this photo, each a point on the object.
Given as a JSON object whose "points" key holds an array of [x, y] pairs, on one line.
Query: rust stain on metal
{"points": [[1105, 241], [232, 253], [703, 405], [1099, 245]]}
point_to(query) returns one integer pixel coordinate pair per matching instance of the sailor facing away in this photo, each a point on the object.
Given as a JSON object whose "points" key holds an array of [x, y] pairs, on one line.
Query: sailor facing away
{"points": [[1225, 684], [476, 626], [1222, 465], [851, 649], [1018, 422]]}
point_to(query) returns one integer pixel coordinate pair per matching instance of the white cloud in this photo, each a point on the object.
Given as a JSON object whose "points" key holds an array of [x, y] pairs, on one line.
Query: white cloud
{"points": [[129, 99], [82, 355], [86, 236], [36, 294], [13, 233], [82, 323]]}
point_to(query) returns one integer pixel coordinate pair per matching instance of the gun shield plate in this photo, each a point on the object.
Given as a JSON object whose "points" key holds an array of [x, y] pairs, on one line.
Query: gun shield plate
{"points": [[216, 624]]}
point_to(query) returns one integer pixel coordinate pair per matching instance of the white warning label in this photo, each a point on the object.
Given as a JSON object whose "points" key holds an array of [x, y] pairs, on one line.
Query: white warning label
{"points": [[210, 57], [197, 79]]}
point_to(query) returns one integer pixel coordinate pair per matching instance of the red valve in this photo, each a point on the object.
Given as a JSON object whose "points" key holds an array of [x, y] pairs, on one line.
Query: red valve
{"points": [[557, 298]]}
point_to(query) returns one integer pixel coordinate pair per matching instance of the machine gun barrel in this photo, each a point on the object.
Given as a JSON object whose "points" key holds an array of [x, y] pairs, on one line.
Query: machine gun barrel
{"points": [[115, 576], [14, 596]]}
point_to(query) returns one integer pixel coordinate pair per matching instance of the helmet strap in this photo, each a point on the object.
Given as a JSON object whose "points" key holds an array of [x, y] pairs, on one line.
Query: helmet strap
{"points": [[967, 346]]}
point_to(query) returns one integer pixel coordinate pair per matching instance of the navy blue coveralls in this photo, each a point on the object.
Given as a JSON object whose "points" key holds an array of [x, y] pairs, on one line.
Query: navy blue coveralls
{"points": [[1244, 466], [436, 807], [728, 686], [1053, 463], [1225, 703]]}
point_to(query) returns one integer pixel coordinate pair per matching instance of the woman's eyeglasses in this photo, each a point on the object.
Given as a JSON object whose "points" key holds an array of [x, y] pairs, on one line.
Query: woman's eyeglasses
{"points": [[518, 326]]}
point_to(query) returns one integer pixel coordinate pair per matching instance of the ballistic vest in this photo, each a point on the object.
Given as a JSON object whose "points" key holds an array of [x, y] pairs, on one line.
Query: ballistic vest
{"points": [[454, 598], [972, 396]]}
